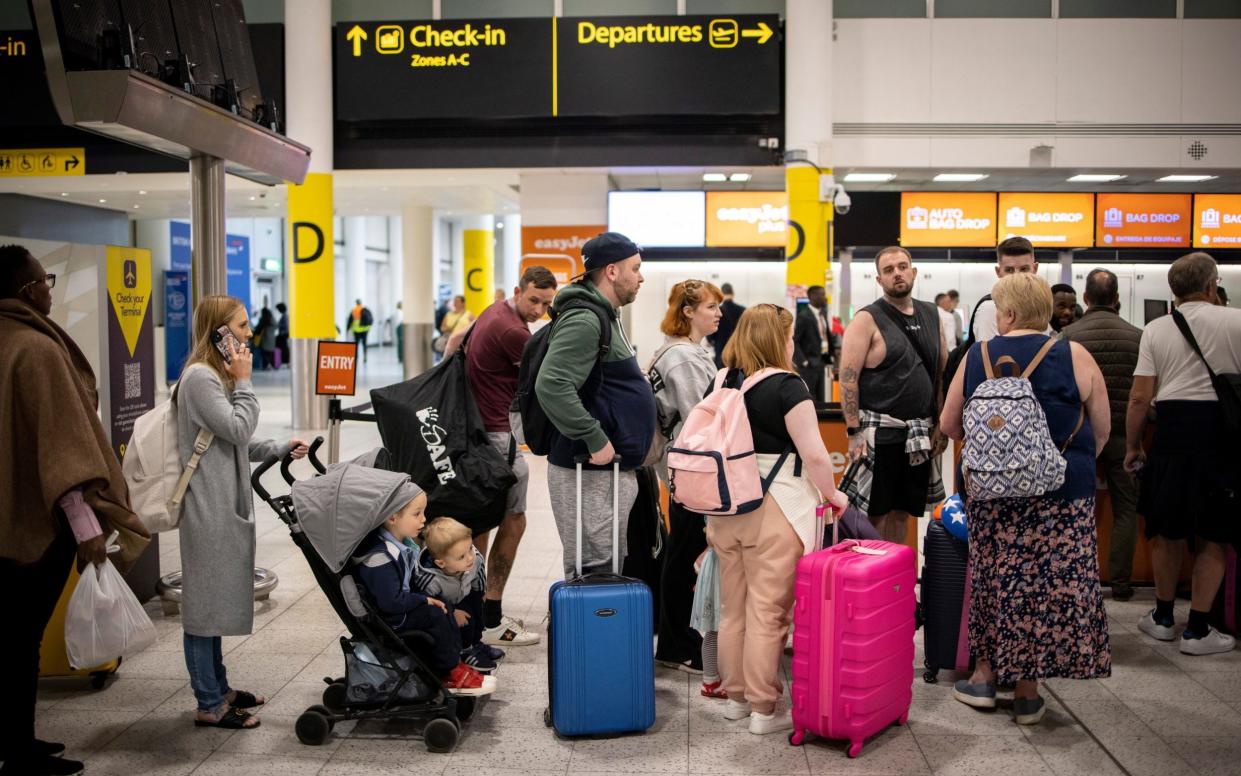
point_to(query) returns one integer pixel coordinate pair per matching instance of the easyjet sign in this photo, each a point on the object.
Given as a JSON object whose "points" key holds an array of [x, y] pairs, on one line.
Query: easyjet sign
{"points": [[747, 219]]}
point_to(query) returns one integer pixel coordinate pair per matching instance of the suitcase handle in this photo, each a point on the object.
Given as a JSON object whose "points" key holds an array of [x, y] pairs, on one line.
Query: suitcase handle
{"points": [[579, 460]]}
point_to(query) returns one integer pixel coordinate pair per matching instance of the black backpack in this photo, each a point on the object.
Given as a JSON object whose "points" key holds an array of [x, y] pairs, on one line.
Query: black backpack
{"points": [[958, 353], [433, 432], [367, 318], [536, 429]]}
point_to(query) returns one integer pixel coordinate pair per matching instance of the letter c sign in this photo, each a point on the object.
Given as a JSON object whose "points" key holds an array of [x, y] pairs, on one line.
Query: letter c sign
{"points": [[470, 283], [316, 233]]}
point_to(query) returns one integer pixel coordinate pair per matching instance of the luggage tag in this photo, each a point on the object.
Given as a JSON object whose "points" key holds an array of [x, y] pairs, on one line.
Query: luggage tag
{"points": [[112, 546], [868, 550]]}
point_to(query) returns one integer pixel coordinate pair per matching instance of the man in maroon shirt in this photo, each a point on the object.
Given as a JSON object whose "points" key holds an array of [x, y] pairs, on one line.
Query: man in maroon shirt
{"points": [[492, 359]]}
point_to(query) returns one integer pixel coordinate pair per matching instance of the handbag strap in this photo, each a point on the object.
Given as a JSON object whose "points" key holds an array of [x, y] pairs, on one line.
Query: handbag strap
{"points": [[1183, 325], [201, 443]]}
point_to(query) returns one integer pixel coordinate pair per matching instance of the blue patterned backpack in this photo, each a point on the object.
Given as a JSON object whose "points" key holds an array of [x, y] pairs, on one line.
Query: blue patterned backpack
{"points": [[1008, 451]]}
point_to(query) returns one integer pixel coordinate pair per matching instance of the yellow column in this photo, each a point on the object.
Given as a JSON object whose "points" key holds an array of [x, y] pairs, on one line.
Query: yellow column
{"points": [[311, 259], [809, 247], [479, 261]]}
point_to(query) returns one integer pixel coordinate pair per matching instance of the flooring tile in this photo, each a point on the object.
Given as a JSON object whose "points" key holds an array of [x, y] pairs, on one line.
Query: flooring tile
{"points": [[174, 732], [156, 762], [83, 731], [513, 749], [744, 753], [230, 764], [981, 755], [1147, 755], [646, 753], [1074, 754], [1217, 756], [892, 751], [276, 737], [127, 693], [951, 717], [1181, 717]]}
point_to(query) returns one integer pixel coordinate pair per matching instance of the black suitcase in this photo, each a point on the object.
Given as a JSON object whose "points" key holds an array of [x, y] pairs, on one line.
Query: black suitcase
{"points": [[945, 602], [1226, 613]]}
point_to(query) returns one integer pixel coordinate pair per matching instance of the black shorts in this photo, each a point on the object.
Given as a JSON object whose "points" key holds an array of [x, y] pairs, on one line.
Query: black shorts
{"points": [[897, 485], [1191, 486]]}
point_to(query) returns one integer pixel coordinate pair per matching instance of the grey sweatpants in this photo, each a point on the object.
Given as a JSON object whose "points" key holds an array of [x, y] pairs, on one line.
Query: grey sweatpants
{"points": [[596, 514]]}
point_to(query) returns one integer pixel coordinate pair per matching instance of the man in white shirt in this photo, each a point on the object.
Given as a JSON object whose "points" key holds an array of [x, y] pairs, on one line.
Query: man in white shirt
{"points": [[947, 321], [1190, 482], [1014, 255]]}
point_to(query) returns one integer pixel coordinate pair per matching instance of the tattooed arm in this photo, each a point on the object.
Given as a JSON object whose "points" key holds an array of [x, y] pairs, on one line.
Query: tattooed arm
{"points": [[852, 361]]}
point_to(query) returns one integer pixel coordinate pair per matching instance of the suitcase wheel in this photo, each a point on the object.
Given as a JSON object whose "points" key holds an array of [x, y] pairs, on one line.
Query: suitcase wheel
{"points": [[904, 718], [99, 679], [855, 749], [797, 737], [930, 677], [547, 717]]}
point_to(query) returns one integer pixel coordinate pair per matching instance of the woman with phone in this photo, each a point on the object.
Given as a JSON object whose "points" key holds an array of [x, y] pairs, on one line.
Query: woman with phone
{"points": [[217, 521]]}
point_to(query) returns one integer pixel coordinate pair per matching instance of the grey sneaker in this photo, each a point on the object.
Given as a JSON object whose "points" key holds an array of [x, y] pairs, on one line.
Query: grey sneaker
{"points": [[980, 696], [1029, 711]]}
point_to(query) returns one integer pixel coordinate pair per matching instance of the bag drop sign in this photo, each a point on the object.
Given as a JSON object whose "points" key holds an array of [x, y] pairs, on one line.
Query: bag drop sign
{"points": [[336, 368]]}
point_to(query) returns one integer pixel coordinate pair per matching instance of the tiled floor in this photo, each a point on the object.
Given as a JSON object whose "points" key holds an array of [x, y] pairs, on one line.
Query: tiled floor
{"points": [[1161, 713]]}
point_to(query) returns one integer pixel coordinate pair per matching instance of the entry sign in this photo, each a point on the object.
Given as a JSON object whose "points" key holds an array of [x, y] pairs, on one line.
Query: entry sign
{"points": [[1217, 221], [336, 368]]}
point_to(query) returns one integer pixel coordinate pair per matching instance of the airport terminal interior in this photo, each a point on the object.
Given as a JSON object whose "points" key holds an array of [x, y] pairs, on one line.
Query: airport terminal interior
{"points": [[362, 169]]}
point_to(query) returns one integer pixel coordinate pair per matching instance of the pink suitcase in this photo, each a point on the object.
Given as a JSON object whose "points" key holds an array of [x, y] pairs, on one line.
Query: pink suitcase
{"points": [[853, 641]]}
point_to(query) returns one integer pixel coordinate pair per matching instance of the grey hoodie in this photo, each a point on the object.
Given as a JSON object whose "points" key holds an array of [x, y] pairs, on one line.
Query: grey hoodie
{"points": [[449, 588]]}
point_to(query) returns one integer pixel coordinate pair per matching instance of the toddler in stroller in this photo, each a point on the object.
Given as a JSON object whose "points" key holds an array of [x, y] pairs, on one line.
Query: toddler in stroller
{"points": [[411, 671]]}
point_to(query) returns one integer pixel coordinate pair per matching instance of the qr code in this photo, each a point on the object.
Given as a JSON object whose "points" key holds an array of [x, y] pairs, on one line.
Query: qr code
{"points": [[133, 380]]}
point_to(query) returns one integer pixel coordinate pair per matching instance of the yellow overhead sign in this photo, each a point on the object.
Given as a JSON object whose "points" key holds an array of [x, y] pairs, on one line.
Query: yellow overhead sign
{"points": [[42, 162]]}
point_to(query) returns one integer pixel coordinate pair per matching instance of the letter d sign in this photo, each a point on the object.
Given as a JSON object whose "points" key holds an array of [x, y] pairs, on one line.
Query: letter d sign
{"points": [[304, 230], [311, 282]]}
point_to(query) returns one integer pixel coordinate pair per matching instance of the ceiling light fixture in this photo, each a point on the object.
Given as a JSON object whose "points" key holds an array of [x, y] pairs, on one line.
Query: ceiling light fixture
{"points": [[960, 177], [102, 201], [739, 177], [1185, 178], [64, 193], [252, 198], [140, 191], [869, 177], [714, 177], [1096, 178]]}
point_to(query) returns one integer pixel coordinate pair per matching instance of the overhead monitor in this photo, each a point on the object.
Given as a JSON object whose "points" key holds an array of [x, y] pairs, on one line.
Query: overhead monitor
{"points": [[747, 219], [1047, 220], [1217, 220], [1143, 220], [947, 219], [659, 219]]}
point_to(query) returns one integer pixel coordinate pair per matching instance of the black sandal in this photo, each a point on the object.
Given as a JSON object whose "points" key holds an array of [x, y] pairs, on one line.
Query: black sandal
{"points": [[245, 700], [233, 719]]}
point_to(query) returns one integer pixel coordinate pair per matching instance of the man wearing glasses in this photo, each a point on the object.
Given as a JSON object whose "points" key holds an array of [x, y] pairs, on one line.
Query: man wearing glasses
{"points": [[61, 492]]}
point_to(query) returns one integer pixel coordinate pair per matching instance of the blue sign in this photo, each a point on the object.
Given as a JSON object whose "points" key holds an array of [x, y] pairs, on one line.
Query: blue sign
{"points": [[176, 322], [237, 248]]}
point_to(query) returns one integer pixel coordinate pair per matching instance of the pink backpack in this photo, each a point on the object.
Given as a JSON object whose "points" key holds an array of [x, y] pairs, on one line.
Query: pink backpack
{"points": [[712, 468]]}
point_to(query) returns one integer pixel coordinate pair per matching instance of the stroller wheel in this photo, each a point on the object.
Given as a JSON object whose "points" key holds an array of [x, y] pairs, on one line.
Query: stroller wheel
{"points": [[327, 713], [312, 727], [440, 735], [465, 707], [334, 696]]}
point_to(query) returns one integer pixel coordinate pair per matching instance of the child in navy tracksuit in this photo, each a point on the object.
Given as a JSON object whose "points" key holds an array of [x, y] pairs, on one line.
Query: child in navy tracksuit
{"points": [[450, 568], [384, 563]]}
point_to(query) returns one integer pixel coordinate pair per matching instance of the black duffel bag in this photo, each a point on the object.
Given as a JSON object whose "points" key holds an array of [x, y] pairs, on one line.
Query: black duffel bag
{"points": [[433, 432]]}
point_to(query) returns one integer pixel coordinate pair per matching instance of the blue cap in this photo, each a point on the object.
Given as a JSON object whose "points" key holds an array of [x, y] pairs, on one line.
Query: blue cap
{"points": [[608, 248]]}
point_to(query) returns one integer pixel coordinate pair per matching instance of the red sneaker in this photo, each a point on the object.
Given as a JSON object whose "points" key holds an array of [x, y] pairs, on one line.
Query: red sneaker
{"points": [[464, 680], [714, 690]]}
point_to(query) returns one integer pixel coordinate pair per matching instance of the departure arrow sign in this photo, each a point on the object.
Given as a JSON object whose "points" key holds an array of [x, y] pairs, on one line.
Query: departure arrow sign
{"points": [[763, 33], [71, 162], [357, 35]]}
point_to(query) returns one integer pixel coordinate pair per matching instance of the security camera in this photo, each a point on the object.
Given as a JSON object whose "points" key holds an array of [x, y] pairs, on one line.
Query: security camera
{"points": [[841, 200]]}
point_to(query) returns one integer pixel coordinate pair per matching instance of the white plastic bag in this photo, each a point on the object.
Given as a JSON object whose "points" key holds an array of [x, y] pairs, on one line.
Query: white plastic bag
{"points": [[104, 620]]}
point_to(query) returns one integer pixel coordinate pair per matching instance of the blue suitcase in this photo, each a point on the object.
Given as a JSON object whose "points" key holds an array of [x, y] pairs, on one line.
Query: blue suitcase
{"points": [[600, 646]]}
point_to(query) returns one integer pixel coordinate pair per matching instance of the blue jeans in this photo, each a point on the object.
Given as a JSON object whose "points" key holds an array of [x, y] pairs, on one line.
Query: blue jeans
{"points": [[205, 661]]}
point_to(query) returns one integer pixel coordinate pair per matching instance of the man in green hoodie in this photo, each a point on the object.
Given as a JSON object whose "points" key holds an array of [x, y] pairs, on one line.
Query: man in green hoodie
{"points": [[602, 408]]}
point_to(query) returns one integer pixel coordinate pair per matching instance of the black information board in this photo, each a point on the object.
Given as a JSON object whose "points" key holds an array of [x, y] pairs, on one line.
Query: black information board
{"points": [[669, 65], [614, 66], [443, 69]]}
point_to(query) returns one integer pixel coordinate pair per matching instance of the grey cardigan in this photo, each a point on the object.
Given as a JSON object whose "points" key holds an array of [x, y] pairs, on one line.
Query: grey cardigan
{"points": [[217, 518]]}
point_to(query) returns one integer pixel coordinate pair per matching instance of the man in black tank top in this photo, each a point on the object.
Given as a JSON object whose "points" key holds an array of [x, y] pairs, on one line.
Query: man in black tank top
{"points": [[891, 360]]}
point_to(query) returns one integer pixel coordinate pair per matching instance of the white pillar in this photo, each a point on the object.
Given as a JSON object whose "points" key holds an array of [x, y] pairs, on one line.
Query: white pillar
{"points": [[355, 262], [1066, 267], [511, 244], [308, 114], [418, 289]]}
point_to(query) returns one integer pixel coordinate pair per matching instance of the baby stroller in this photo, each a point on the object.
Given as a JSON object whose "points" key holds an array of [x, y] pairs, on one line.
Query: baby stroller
{"points": [[385, 678]]}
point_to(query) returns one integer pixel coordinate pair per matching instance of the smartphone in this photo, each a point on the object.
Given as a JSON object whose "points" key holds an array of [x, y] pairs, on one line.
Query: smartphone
{"points": [[222, 337]]}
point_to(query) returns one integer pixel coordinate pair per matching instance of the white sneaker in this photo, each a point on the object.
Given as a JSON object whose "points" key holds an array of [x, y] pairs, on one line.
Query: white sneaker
{"points": [[510, 633], [1213, 643], [1153, 629], [735, 710], [762, 724]]}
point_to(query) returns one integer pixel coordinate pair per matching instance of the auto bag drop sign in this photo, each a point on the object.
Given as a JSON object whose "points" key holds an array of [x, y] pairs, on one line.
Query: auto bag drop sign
{"points": [[947, 219]]}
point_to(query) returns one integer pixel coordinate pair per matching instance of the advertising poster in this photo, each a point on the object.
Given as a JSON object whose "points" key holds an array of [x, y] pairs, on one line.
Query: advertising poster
{"points": [[177, 323], [237, 251], [747, 219], [1048, 220], [131, 342], [1143, 220], [933, 219]]}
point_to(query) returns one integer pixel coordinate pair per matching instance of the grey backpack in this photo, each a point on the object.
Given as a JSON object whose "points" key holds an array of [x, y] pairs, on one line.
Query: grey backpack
{"points": [[1008, 451]]}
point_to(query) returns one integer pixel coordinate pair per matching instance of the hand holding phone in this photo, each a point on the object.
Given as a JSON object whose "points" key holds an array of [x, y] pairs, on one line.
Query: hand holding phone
{"points": [[237, 357], [225, 342]]}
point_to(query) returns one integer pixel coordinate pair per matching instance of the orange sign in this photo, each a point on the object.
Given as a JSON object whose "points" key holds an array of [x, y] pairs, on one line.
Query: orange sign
{"points": [[1217, 220], [942, 219], [1143, 220], [747, 219], [336, 368], [562, 267], [559, 240], [1047, 220]]}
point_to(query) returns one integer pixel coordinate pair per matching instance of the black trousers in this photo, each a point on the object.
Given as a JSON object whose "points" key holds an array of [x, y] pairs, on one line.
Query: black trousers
{"points": [[359, 337], [472, 631], [687, 540], [813, 375], [31, 592], [444, 651]]}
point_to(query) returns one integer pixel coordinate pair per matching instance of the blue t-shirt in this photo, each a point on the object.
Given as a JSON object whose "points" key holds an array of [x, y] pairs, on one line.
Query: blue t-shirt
{"points": [[1055, 387]]}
